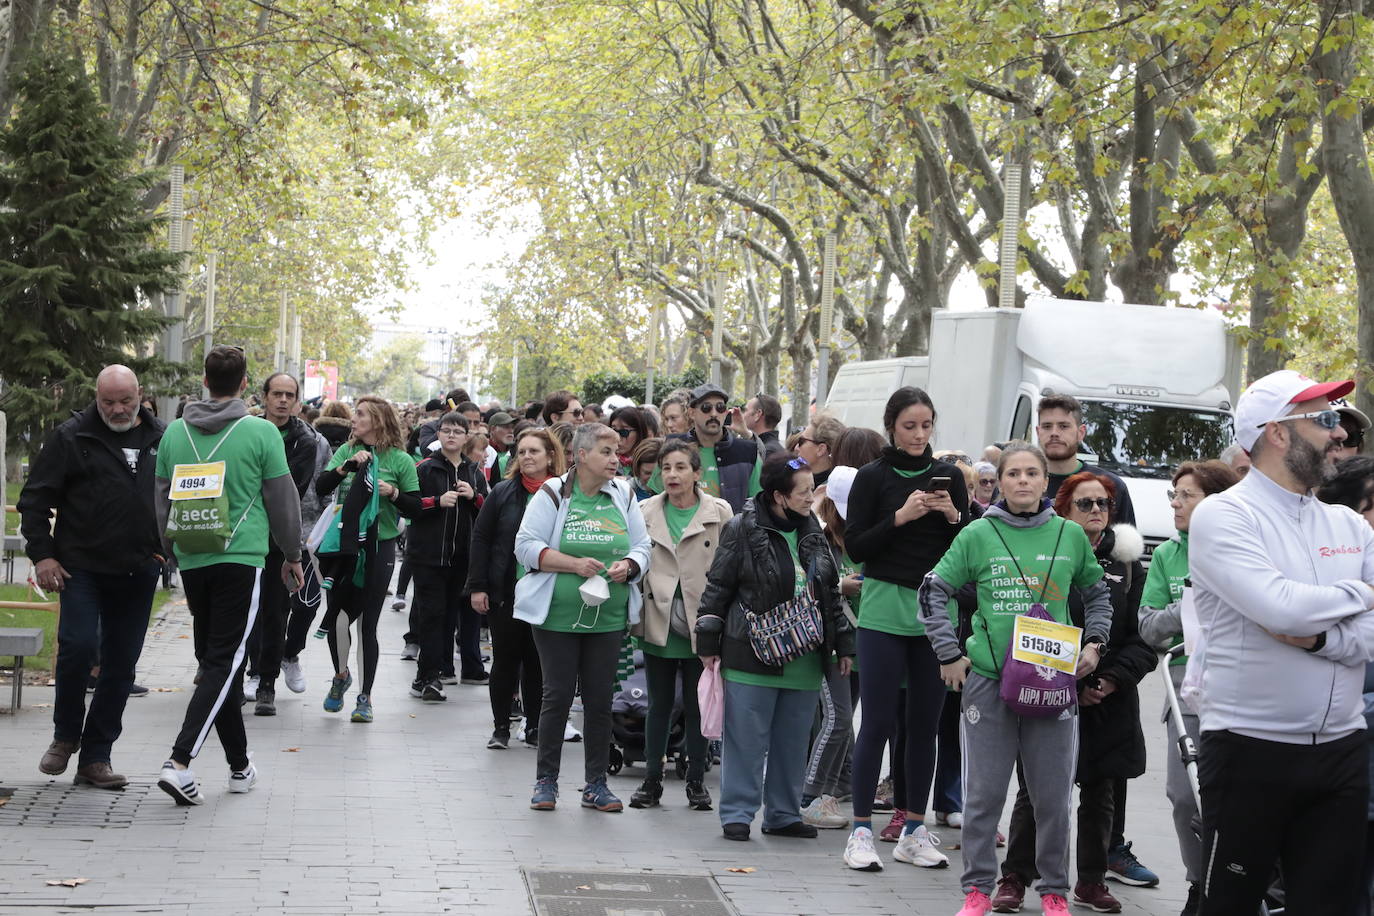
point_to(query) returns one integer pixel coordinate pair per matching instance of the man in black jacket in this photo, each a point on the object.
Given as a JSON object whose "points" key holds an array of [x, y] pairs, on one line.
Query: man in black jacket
{"points": [[730, 465], [451, 492], [306, 451], [96, 471]]}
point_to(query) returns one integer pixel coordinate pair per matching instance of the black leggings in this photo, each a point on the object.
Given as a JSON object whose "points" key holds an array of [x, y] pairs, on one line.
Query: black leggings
{"points": [[662, 677], [349, 603], [883, 658], [514, 662]]}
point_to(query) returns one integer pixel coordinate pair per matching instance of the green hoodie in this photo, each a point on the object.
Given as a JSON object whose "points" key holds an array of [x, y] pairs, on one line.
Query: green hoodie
{"points": [[1159, 624]]}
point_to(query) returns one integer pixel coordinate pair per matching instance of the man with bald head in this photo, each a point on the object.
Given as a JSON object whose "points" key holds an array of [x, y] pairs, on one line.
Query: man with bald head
{"points": [[102, 557]]}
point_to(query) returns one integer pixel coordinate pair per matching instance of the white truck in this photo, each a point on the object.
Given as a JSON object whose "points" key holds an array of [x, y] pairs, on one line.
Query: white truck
{"points": [[1157, 386]]}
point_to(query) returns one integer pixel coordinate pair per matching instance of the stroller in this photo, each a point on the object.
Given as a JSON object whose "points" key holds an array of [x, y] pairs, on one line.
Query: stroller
{"points": [[630, 712], [1273, 902]]}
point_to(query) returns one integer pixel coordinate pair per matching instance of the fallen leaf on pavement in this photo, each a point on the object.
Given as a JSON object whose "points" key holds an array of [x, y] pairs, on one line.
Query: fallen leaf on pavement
{"points": [[4, 802], [412, 715], [743, 871], [184, 636], [290, 750], [169, 689], [67, 882], [584, 887]]}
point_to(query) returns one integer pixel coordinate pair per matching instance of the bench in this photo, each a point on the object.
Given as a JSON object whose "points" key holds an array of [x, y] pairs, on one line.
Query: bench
{"points": [[19, 642], [13, 545]]}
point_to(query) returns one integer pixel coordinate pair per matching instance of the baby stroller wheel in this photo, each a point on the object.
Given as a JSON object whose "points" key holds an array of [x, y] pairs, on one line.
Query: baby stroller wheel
{"points": [[617, 761]]}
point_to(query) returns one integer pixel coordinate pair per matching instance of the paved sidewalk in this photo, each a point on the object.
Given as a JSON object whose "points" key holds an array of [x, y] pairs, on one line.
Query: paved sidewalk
{"points": [[412, 814]]}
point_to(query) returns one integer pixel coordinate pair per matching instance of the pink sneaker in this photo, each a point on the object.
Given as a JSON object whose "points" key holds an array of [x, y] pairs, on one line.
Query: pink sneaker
{"points": [[976, 903], [893, 831], [1053, 905]]}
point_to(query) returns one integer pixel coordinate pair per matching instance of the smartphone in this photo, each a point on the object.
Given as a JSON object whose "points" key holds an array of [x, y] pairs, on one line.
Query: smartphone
{"points": [[939, 483]]}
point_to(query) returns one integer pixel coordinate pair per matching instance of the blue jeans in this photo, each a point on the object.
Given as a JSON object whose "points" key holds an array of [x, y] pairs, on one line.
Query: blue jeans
{"points": [[104, 618], [764, 723]]}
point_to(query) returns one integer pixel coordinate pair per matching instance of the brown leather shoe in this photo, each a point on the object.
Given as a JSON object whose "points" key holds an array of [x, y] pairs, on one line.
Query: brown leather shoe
{"points": [[54, 761], [99, 775]]}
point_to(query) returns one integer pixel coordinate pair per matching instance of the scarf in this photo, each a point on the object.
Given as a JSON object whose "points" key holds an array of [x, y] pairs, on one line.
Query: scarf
{"points": [[356, 526], [905, 462], [531, 485]]}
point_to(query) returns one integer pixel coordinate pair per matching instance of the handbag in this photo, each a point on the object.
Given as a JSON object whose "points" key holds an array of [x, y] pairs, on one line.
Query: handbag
{"points": [[1034, 691], [788, 631]]}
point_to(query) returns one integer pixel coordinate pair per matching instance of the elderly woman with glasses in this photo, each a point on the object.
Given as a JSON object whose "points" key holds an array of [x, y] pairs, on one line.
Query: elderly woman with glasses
{"points": [[770, 554], [1111, 745], [583, 548], [818, 443]]}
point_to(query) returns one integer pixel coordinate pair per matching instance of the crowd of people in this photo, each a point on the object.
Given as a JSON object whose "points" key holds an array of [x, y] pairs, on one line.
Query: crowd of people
{"points": [[985, 618]]}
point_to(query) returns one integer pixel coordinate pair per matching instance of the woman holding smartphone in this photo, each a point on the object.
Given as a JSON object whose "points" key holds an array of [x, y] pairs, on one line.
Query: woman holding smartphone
{"points": [[905, 509]]}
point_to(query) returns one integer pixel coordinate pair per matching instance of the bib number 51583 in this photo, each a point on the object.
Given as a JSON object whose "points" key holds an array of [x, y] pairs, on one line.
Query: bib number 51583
{"points": [[1046, 643]]}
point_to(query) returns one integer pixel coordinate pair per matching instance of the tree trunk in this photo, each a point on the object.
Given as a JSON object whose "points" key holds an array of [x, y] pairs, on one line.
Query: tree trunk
{"points": [[1347, 169]]}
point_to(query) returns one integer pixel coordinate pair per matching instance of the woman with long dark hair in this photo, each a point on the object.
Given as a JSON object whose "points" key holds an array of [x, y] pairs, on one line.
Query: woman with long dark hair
{"points": [[491, 583], [905, 509]]}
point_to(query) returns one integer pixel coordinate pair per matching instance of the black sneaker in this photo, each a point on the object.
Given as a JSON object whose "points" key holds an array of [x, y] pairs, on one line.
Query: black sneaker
{"points": [[417, 688], [499, 740], [137, 690], [479, 678], [532, 737], [798, 829], [698, 799], [648, 794], [735, 831], [1194, 901], [434, 693], [267, 702]]}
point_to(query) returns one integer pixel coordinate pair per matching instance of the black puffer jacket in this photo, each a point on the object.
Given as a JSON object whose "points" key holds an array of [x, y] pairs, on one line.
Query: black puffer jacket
{"points": [[335, 430], [440, 536], [1111, 743], [753, 568], [492, 565], [105, 517]]}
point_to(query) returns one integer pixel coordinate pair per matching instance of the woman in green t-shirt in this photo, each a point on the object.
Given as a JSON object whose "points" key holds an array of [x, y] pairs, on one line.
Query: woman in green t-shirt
{"points": [[685, 526], [768, 555], [581, 527], [1019, 555], [377, 483]]}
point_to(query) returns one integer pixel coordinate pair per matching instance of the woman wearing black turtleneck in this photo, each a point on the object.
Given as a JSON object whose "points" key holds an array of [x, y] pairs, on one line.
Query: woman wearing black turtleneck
{"points": [[900, 524]]}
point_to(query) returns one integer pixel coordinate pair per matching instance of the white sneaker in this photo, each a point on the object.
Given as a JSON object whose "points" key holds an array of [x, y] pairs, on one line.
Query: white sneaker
{"points": [[570, 733], [180, 784], [240, 781], [824, 812], [954, 819], [918, 848], [293, 675], [250, 690], [859, 852]]}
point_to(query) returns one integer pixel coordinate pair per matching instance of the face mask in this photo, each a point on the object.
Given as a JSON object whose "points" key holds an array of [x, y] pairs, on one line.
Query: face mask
{"points": [[594, 591]]}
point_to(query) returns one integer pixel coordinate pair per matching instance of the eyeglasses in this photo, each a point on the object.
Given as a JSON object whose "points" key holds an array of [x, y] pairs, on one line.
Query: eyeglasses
{"points": [[1085, 504], [717, 406], [1182, 496], [1326, 419], [453, 431], [798, 463], [622, 432]]}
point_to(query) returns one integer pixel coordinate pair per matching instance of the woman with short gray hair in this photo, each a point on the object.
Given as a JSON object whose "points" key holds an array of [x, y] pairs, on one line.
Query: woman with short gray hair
{"points": [[583, 546]]}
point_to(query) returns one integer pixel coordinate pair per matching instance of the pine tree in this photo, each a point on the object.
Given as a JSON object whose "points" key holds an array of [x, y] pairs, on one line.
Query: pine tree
{"points": [[79, 256]]}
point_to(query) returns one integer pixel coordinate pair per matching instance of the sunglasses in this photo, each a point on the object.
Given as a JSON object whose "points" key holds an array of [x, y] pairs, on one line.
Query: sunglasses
{"points": [[622, 432], [1326, 419], [577, 412], [798, 463], [716, 406], [801, 439], [1084, 504]]}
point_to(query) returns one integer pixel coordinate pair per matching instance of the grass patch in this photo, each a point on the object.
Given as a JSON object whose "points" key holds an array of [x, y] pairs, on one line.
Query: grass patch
{"points": [[12, 491], [48, 621]]}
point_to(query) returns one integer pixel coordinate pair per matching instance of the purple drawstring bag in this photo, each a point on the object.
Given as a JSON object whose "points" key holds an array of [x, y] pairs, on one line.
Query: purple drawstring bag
{"points": [[1034, 691]]}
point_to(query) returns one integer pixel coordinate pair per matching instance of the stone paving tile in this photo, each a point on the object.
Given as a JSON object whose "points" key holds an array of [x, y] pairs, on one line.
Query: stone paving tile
{"points": [[412, 814]]}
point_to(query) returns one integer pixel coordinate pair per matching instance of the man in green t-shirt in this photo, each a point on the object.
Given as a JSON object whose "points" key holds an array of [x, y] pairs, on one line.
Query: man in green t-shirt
{"points": [[218, 462]]}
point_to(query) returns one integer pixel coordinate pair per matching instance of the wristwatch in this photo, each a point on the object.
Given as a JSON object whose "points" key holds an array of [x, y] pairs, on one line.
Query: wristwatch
{"points": [[1319, 644]]}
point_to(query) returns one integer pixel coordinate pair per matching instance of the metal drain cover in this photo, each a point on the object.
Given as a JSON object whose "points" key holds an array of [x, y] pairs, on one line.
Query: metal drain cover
{"points": [[580, 893], [65, 805]]}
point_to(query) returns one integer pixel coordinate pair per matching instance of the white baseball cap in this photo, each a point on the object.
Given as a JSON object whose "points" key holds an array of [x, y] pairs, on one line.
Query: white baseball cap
{"points": [[837, 487], [1272, 397]]}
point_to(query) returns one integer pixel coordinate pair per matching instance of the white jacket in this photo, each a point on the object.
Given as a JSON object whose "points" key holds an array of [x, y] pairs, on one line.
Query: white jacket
{"points": [[542, 529], [1264, 558]]}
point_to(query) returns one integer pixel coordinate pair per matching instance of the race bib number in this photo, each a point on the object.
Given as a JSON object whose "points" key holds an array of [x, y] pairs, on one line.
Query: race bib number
{"points": [[1046, 643], [198, 481]]}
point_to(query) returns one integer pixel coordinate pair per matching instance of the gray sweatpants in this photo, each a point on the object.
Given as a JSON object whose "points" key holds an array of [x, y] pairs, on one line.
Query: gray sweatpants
{"points": [[831, 747], [1180, 793], [991, 737]]}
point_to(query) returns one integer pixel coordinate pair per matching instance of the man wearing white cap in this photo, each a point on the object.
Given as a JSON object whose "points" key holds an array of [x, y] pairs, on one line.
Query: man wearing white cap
{"points": [[1281, 587]]}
